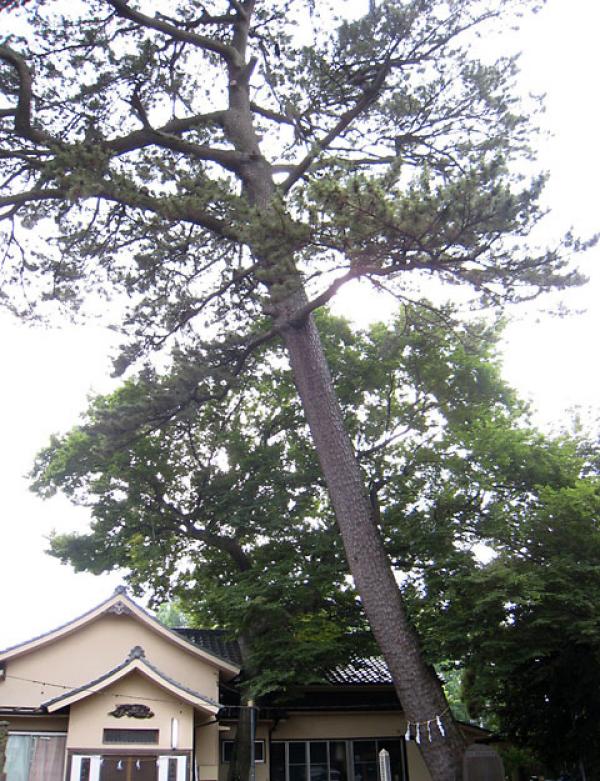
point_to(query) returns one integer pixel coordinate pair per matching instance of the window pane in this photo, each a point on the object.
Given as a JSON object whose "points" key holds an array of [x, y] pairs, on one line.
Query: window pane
{"points": [[364, 751], [259, 750], [130, 736], [365, 763], [318, 752], [297, 753], [277, 761], [84, 770], [337, 761], [297, 761], [19, 752], [318, 761], [297, 772]]}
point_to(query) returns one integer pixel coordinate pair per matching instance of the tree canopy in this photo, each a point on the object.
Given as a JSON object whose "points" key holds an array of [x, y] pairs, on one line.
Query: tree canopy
{"points": [[221, 169], [234, 520], [226, 507]]}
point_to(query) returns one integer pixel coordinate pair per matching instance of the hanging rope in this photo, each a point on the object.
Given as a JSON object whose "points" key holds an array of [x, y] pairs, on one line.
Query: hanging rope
{"points": [[419, 727]]}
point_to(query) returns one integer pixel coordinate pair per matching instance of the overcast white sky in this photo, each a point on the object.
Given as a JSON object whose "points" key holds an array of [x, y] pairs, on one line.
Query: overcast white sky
{"points": [[47, 375]]}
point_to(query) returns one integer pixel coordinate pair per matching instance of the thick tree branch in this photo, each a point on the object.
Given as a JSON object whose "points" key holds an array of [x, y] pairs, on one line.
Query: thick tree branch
{"points": [[227, 158], [204, 18], [174, 127], [30, 196], [221, 542], [225, 544], [169, 208], [239, 9], [173, 208], [22, 113], [157, 23]]}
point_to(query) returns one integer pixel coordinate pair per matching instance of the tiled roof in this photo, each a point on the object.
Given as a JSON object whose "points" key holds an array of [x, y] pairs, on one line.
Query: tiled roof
{"points": [[360, 671], [371, 671], [214, 641]]}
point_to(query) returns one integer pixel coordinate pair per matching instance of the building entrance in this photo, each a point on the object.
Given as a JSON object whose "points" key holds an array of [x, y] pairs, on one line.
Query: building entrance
{"points": [[128, 768]]}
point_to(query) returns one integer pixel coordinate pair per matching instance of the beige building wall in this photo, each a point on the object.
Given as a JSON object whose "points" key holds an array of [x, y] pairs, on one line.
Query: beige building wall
{"points": [[325, 726], [97, 648], [90, 717], [331, 726], [207, 751]]}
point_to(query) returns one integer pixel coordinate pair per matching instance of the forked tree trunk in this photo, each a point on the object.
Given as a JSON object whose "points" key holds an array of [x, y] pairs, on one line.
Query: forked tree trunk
{"points": [[418, 688]]}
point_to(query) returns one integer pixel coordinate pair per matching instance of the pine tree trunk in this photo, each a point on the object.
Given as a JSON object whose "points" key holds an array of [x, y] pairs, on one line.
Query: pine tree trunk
{"points": [[418, 688]]}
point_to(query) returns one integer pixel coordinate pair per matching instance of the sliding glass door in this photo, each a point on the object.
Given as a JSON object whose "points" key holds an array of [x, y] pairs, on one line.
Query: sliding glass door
{"points": [[335, 760]]}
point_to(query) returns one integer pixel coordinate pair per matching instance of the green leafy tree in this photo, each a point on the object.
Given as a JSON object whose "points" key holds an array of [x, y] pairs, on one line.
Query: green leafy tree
{"points": [[233, 489], [224, 171], [526, 624], [172, 614]]}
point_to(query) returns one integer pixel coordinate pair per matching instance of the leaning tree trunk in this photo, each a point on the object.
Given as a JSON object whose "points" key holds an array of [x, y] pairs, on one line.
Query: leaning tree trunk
{"points": [[418, 688], [274, 236]]}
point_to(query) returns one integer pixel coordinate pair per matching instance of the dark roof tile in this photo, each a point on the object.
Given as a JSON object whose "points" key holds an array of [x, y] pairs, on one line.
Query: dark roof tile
{"points": [[360, 671], [218, 642]]}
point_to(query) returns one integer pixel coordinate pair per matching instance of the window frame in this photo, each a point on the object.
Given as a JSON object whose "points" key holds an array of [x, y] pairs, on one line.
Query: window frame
{"points": [[125, 731], [350, 759], [260, 741]]}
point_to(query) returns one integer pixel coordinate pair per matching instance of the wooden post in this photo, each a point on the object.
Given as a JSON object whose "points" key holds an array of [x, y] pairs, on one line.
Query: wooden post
{"points": [[3, 742]]}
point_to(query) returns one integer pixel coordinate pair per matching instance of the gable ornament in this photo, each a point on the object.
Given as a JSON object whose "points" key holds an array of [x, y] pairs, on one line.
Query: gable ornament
{"points": [[132, 710]]}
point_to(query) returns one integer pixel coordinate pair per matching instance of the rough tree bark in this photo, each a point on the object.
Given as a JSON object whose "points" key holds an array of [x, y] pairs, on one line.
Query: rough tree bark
{"points": [[418, 688]]}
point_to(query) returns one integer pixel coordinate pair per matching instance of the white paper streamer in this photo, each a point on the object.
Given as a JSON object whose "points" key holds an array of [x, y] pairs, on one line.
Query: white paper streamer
{"points": [[440, 727]]}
